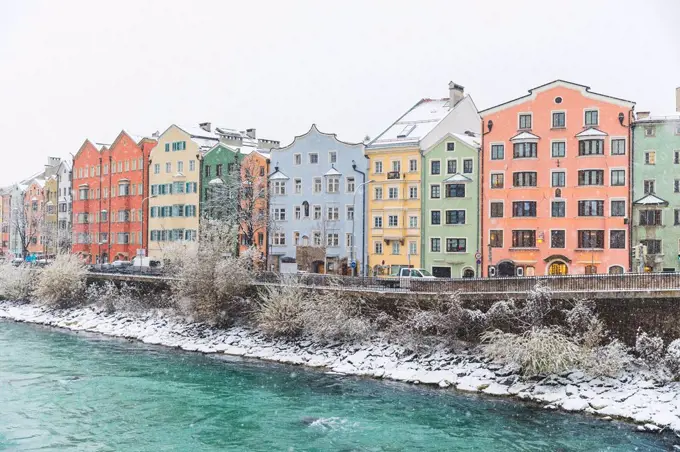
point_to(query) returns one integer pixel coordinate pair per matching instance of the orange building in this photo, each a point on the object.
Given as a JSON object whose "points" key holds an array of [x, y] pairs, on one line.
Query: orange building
{"points": [[254, 214], [33, 222], [556, 183]]}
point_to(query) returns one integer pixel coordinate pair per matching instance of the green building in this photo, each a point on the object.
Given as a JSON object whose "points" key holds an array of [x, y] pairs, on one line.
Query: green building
{"points": [[217, 165], [450, 206], [656, 193]]}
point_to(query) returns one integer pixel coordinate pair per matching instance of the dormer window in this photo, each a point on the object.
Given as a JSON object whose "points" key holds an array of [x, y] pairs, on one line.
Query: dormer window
{"points": [[525, 121], [406, 130]]}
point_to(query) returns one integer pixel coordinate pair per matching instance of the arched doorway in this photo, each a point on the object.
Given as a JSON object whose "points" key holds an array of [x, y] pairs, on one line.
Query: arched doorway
{"points": [[506, 268], [616, 270], [468, 273], [557, 268], [318, 267]]}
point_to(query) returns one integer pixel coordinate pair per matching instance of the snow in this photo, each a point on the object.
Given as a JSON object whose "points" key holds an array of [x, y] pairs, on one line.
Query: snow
{"points": [[475, 141], [633, 396], [415, 124], [525, 136], [278, 175], [591, 132], [458, 178], [333, 172], [650, 200]]}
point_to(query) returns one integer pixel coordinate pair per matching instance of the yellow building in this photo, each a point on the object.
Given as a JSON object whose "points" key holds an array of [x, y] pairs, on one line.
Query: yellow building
{"points": [[395, 214], [174, 179], [48, 233]]}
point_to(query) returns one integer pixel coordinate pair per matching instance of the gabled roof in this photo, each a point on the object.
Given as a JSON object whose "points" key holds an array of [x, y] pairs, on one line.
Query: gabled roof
{"points": [[524, 136], [473, 141], [459, 178], [651, 200], [314, 130], [585, 91], [278, 175], [591, 132], [332, 172]]}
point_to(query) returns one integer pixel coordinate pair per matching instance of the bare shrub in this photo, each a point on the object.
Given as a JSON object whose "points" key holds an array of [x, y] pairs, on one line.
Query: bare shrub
{"points": [[537, 351], [112, 297], [472, 325], [580, 316], [672, 358], [280, 312], [62, 283], [334, 315], [538, 306], [649, 348], [16, 283], [608, 360], [501, 315]]}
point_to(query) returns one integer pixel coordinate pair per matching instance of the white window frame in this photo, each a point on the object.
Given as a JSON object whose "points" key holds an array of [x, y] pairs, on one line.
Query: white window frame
{"points": [[389, 217], [375, 247], [382, 167], [429, 218], [587, 109], [409, 165], [375, 192], [429, 192], [467, 242], [412, 186], [493, 201], [559, 140], [332, 161], [440, 245], [382, 222], [446, 170], [625, 146], [519, 115], [566, 208], [295, 158], [497, 143], [463, 166], [309, 158], [625, 176], [608, 238], [354, 184], [429, 169], [298, 185], [491, 187], [565, 119], [625, 203], [411, 217], [392, 187], [549, 239], [558, 170]]}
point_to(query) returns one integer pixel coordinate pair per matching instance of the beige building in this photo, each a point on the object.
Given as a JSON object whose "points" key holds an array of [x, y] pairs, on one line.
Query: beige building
{"points": [[174, 175]]}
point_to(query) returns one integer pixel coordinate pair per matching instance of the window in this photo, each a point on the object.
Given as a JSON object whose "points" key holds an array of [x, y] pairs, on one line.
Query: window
{"points": [[558, 179], [591, 177], [653, 246], [333, 213], [451, 166], [559, 120], [349, 240], [618, 208], [168, 168], [298, 186], [350, 186], [413, 165], [676, 185], [455, 190], [591, 208], [412, 222], [618, 177], [618, 147], [333, 157], [559, 149], [378, 247], [435, 217], [497, 180], [676, 216], [649, 187], [591, 117], [192, 165], [450, 146], [396, 166], [392, 221], [650, 131], [377, 222], [350, 213], [123, 238], [279, 239], [435, 191], [435, 245], [591, 147], [589, 239], [413, 248], [650, 158], [467, 166], [316, 238], [413, 192], [525, 121], [332, 239], [393, 193], [456, 245], [378, 193], [435, 167], [557, 239], [523, 239], [525, 179], [317, 185], [650, 217], [298, 212], [279, 187], [455, 217], [218, 170], [317, 212], [297, 159], [333, 184], [378, 167], [497, 209], [496, 238], [524, 208], [497, 152], [313, 158], [123, 216], [524, 150], [617, 239], [676, 157], [395, 248]]}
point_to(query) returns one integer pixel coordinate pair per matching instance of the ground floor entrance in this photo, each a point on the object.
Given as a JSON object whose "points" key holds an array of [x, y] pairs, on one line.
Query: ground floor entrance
{"points": [[441, 272], [557, 268]]}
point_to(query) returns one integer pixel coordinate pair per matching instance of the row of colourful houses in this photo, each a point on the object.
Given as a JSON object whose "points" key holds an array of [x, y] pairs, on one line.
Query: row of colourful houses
{"points": [[562, 180]]}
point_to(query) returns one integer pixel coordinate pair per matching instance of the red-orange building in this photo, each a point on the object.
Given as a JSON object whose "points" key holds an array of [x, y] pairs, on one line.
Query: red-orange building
{"points": [[5, 221], [556, 183], [34, 215], [110, 188], [255, 224]]}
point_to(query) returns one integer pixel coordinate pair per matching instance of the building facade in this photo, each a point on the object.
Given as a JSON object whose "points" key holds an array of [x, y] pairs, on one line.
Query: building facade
{"points": [[5, 220], [65, 206], [48, 231], [394, 204], [450, 195], [254, 219], [316, 204], [556, 183], [32, 225], [656, 192]]}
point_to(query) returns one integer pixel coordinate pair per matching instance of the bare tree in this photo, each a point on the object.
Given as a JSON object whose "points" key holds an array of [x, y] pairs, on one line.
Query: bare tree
{"points": [[27, 223]]}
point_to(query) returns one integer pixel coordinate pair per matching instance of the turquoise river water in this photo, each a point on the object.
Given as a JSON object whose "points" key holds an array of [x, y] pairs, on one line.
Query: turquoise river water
{"points": [[63, 391]]}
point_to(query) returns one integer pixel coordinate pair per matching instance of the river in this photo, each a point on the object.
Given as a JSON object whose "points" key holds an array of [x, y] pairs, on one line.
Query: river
{"points": [[65, 391]]}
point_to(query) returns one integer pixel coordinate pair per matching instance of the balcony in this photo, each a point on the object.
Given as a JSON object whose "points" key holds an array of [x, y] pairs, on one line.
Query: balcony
{"points": [[394, 175]]}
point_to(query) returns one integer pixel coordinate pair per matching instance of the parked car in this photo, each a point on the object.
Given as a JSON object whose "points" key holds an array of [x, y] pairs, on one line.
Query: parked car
{"points": [[406, 275], [119, 264]]}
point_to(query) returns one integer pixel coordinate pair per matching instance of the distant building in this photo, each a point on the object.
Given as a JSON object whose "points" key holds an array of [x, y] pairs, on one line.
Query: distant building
{"points": [[65, 206]]}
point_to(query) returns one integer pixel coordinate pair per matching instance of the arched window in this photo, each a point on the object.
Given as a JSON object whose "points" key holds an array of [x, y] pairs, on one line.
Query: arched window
{"points": [[591, 269], [557, 268], [616, 270], [305, 208], [468, 273]]}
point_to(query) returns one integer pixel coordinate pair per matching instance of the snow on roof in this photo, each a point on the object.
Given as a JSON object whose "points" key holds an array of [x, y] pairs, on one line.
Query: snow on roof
{"points": [[333, 172], [198, 132], [414, 125], [474, 140], [525, 136], [651, 200], [590, 133], [659, 118], [458, 178], [278, 175]]}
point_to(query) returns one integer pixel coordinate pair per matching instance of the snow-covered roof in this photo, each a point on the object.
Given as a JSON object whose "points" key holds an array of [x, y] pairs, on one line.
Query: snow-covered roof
{"points": [[651, 200], [591, 132], [459, 178], [474, 140], [659, 118], [278, 175], [525, 136], [332, 172], [414, 125]]}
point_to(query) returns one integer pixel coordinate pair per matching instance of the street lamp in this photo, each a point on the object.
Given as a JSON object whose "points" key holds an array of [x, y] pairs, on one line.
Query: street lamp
{"points": [[354, 213]]}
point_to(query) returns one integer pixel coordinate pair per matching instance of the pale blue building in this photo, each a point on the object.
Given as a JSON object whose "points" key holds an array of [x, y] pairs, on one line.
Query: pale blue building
{"points": [[317, 205]]}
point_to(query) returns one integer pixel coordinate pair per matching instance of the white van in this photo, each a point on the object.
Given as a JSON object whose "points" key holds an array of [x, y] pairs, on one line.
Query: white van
{"points": [[407, 274]]}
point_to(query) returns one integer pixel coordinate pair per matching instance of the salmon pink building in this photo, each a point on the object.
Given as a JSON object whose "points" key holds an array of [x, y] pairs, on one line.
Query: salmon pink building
{"points": [[556, 183]]}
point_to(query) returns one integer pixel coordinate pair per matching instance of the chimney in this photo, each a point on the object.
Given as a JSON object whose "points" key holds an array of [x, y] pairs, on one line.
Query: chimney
{"points": [[251, 133], [205, 126], [156, 134], [456, 94], [677, 99], [642, 115]]}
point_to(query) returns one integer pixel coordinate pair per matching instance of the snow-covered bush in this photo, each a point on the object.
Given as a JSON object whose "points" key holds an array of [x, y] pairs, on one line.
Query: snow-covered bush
{"points": [[336, 315], [16, 283], [580, 316], [607, 360], [112, 297], [537, 351], [538, 306], [501, 315], [672, 358], [62, 283], [472, 325], [280, 310], [649, 348]]}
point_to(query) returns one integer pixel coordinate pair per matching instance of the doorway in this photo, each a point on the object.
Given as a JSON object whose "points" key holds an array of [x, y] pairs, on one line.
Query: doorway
{"points": [[506, 269], [468, 273], [557, 268]]}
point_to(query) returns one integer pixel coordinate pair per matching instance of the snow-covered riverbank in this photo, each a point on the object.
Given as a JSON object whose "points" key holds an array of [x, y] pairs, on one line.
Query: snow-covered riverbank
{"points": [[635, 396]]}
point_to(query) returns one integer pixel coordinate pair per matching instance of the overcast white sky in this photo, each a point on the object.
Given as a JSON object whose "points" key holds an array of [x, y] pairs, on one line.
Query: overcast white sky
{"points": [[76, 69]]}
